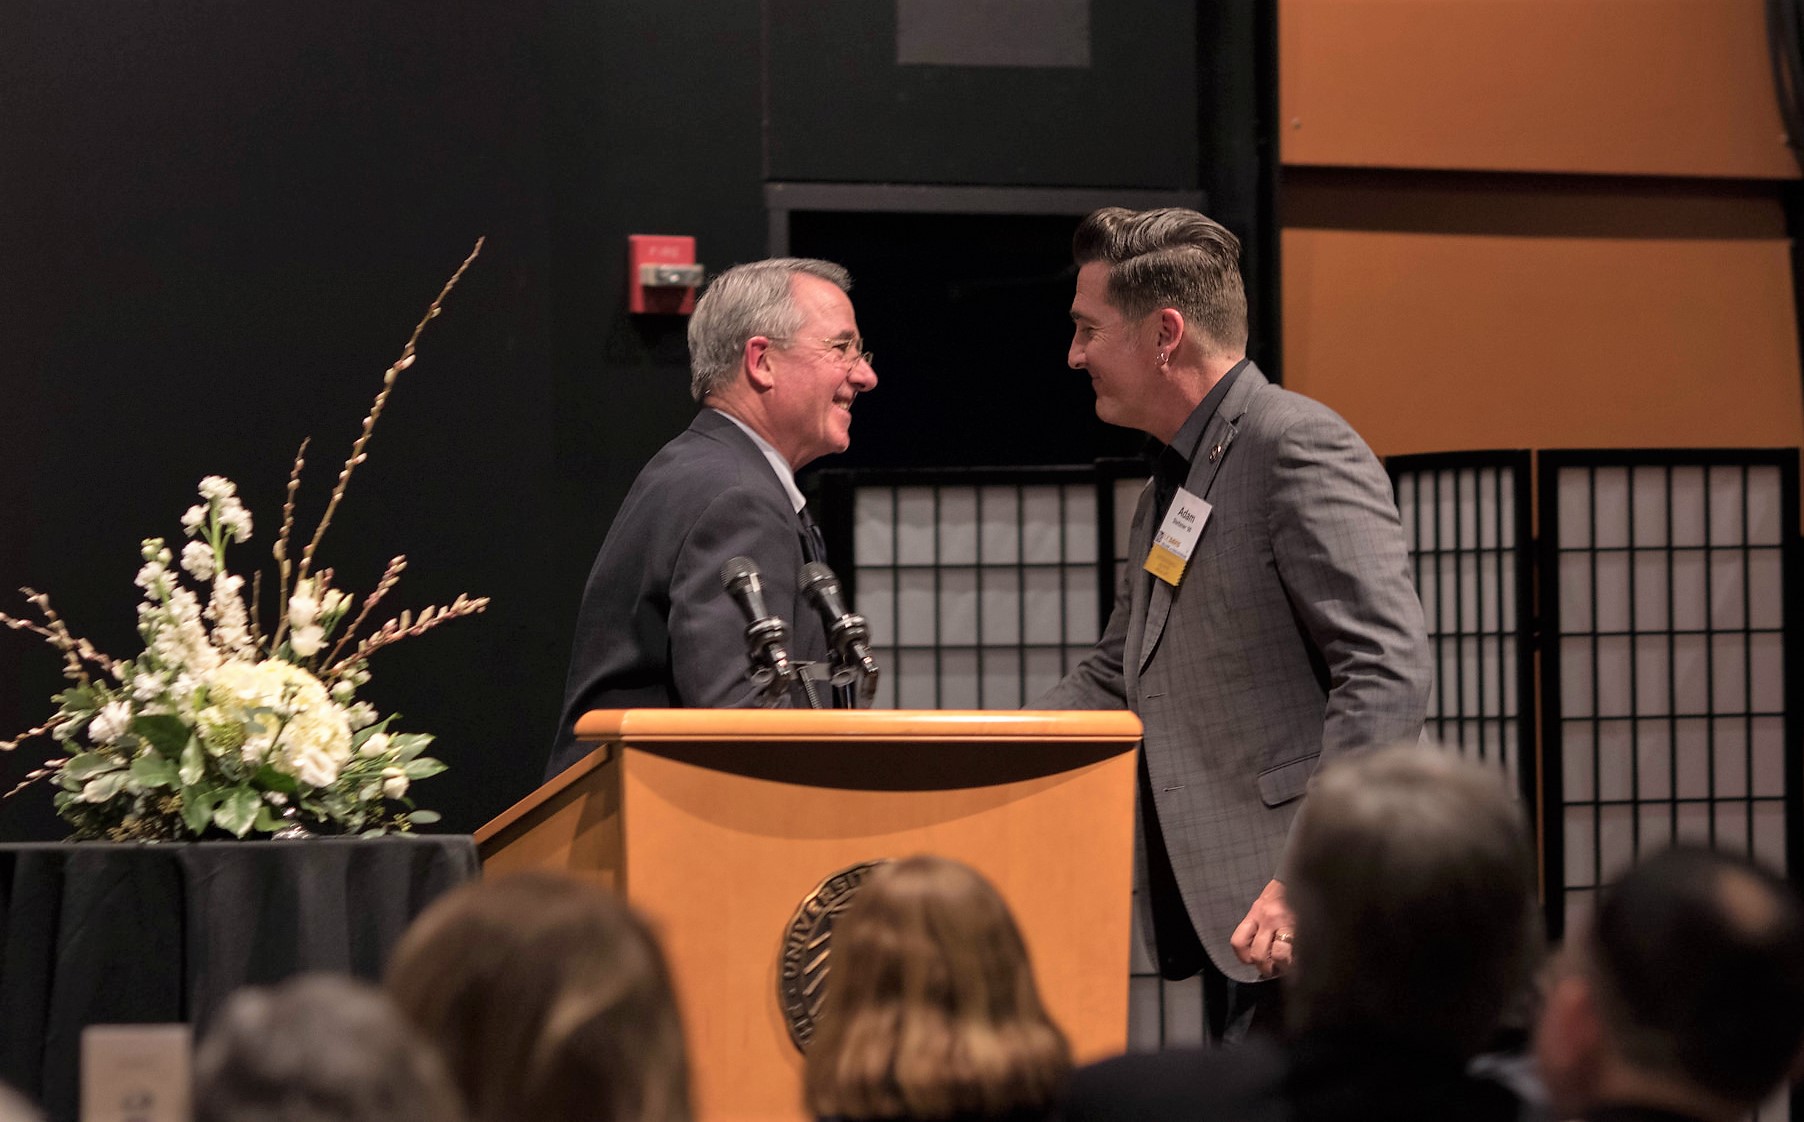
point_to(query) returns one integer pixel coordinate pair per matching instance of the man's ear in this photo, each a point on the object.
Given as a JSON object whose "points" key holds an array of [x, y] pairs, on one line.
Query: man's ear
{"points": [[1171, 330], [756, 363]]}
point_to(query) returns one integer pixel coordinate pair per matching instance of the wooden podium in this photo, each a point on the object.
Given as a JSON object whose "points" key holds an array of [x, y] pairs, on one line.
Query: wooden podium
{"points": [[719, 823]]}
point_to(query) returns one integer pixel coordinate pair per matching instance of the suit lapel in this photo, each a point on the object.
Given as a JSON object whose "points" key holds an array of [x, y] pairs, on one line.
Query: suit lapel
{"points": [[1211, 453]]}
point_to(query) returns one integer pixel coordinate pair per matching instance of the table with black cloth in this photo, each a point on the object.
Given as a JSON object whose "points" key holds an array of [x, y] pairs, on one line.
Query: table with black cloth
{"points": [[105, 933]]}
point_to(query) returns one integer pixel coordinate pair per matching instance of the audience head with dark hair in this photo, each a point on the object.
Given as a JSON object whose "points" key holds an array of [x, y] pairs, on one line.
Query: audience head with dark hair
{"points": [[317, 1048], [933, 1012], [1683, 993], [1412, 879], [550, 1001]]}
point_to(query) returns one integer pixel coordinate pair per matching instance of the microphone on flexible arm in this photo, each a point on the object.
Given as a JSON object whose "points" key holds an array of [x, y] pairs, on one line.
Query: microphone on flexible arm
{"points": [[765, 633], [846, 629]]}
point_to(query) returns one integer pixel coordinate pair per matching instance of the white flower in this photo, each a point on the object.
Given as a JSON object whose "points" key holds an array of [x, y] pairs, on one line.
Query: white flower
{"points": [[306, 641], [197, 558], [216, 487], [361, 714], [333, 603], [193, 518], [303, 606], [312, 743], [235, 520], [394, 782], [375, 746], [152, 572], [343, 692], [149, 548], [112, 720]]}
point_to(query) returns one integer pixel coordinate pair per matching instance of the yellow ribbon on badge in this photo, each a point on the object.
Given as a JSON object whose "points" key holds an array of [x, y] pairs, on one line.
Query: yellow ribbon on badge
{"points": [[1165, 564]]}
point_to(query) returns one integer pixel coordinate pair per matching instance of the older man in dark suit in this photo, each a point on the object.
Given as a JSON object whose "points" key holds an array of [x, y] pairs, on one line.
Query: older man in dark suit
{"points": [[1266, 620], [776, 362]]}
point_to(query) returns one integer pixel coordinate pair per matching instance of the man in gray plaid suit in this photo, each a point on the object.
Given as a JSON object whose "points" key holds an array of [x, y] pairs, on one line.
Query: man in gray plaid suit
{"points": [[1265, 621]]}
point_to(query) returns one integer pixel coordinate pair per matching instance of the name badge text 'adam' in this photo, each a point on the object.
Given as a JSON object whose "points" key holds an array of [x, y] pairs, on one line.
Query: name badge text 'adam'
{"points": [[1176, 538]]}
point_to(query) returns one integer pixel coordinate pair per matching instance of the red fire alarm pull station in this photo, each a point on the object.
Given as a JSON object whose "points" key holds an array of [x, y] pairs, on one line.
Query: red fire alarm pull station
{"points": [[662, 275]]}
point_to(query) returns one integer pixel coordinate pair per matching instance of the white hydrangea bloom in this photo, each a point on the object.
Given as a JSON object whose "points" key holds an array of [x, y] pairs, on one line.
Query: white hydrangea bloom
{"points": [[313, 740], [197, 558]]}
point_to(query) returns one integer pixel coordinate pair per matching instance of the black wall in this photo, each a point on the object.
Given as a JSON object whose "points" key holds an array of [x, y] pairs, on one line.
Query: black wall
{"points": [[219, 221]]}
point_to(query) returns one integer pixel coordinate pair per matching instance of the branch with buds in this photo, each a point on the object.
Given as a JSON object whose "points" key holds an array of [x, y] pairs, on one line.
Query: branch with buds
{"points": [[406, 625]]}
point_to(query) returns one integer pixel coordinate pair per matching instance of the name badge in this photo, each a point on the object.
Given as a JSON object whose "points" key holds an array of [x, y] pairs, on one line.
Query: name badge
{"points": [[1175, 541]]}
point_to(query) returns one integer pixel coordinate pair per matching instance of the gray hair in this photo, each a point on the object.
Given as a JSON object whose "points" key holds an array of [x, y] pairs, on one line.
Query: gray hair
{"points": [[1170, 258], [1413, 884], [756, 298], [319, 1048]]}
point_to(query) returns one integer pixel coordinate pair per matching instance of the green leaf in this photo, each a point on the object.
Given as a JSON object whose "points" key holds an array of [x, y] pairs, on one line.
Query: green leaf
{"points": [[270, 779], [153, 770], [407, 745], [423, 817], [367, 731], [88, 765], [197, 809], [164, 732], [267, 822], [422, 767], [194, 763], [78, 699], [239, 810], [104, 788]]}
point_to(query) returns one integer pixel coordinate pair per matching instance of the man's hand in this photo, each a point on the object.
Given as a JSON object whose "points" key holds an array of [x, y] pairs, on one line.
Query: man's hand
{"points": [[1265, 937]]}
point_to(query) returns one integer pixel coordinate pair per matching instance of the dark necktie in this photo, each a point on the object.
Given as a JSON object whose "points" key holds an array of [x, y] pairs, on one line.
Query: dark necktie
{"points": [[814, 543], [1170, 471]]}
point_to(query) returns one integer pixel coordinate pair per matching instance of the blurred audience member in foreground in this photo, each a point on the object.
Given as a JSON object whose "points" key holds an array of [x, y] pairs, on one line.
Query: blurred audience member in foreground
{"points": [[1410, 873], [15, 1107], [932, 1011], [550, 1001], [317, 1049], [1682, 998]]}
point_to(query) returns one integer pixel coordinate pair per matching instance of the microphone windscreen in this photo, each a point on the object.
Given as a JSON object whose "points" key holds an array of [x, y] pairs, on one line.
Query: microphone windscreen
{"points": [[737, 569]]}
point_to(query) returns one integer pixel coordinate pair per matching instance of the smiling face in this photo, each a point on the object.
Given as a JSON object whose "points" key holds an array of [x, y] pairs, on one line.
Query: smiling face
{"points": [[816, 374], [1120, 355]]}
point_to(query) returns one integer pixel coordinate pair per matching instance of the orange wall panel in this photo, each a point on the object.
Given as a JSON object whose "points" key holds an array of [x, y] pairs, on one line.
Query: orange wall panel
{"points": [[1611, 87], [1435, 341]]}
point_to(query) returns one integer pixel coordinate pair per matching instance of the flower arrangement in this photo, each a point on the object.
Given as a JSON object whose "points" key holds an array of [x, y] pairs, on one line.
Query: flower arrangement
{"points": [[218, 725]]}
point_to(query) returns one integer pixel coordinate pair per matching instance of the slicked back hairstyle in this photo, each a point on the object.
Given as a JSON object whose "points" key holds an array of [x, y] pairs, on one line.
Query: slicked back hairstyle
{"points": [[550, 1001], [747, 300], [1412, 880], [932, 1010], [1698, 960], [1170, 258]]}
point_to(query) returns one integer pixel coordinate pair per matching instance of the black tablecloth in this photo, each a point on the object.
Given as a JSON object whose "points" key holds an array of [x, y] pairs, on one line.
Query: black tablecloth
{"points": [[102, 933]]}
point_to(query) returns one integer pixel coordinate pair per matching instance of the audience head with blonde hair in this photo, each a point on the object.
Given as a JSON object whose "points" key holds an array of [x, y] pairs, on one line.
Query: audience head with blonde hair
{"points": [[933, 1011], [550, 1001], [317, 1048]]}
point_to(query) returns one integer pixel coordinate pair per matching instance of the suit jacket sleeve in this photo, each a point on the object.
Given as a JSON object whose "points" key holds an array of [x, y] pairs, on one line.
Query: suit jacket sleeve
{"points": [[1338, 544], [708, 659]]}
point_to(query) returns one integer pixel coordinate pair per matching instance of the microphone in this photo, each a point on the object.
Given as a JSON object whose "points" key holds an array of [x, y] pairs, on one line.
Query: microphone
{"points": [[846, 629], [764, 633]]}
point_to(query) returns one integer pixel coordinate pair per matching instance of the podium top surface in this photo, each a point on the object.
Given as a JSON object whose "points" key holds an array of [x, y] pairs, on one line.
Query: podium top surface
{"points": [[753, 725]]}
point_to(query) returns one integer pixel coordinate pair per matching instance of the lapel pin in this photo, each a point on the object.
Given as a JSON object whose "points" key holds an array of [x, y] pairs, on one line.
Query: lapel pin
{"points": [[1215, 452]]}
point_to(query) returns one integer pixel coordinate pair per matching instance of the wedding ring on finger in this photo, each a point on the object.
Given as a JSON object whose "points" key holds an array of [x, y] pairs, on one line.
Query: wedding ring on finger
{"points": [[1287, 937]]}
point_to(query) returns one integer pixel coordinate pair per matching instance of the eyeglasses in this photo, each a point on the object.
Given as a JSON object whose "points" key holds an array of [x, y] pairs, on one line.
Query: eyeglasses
{"points": [[850, 351]]}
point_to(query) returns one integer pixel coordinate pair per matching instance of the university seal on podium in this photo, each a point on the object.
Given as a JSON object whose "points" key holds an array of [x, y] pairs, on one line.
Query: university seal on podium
{"points": [[802, 965]]}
